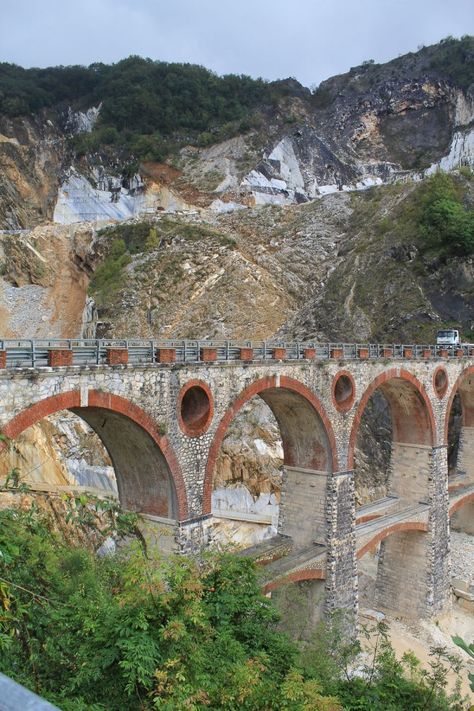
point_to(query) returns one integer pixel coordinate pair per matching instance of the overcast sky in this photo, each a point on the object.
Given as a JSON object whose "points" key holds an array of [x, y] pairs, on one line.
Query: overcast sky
{"points": [[308, 39]]}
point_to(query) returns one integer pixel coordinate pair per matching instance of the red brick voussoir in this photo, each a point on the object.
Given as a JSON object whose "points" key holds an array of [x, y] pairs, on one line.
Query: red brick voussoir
{"points": [[72, 399], [253, 389]]}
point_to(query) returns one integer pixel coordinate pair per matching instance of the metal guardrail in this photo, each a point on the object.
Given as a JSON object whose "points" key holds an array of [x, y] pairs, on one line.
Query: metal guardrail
{"points": [[33, 353], [14, 697]]}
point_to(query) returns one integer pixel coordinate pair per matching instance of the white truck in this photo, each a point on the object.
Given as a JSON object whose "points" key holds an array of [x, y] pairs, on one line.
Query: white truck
{"points": [[448, 337]]}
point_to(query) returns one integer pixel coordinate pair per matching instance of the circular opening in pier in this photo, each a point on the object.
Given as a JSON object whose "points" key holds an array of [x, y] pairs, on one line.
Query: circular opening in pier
{"points": [[440, 382], [195, 408], [343, 391]]}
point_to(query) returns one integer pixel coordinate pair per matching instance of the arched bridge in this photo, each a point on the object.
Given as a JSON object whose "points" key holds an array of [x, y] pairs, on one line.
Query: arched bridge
{"points": [[162, 410]]}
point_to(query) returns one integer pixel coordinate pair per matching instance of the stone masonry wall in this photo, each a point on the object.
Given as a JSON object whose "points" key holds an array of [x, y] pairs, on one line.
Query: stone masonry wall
{"points": [[150, 394]]}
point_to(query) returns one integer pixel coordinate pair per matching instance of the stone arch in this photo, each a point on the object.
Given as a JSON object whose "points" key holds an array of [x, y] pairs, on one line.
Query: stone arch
{"points": [[401, 581], [307, 434], [390, 530], [467, 499], [466, 391], [461, 514], [413, 433], [297, 577], [413, 419], [149, 459], [464, 386]]}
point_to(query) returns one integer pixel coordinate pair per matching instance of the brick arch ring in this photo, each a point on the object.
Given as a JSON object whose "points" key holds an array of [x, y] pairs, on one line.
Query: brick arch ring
{"points": [[466, 372], [396, 528], [107, 401], [253, 389], [469, 498], [374, 385], [298, 577]]}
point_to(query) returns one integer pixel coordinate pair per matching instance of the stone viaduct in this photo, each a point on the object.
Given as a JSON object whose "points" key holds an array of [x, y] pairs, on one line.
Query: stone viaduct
{"points": [[162, 412]]}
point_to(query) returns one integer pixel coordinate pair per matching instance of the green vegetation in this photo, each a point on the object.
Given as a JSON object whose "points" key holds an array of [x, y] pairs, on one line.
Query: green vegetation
{"points": [[147, 107], [437, 216], [107, 278], [453, 58], [469, 648], [122, 241], [134, 630], [446, 223]]}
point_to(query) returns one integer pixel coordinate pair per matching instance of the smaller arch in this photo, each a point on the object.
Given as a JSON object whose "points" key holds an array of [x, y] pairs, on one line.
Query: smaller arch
{"points": [[386, 532], [467, 399], [423, 416], [297, 577], [71, 400], [440, 382], [343, 391], [467, 499], [270, 383], [195, 407]]}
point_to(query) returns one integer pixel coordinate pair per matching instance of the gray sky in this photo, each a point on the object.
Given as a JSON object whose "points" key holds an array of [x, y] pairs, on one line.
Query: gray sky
{"points": [[308, 39]]}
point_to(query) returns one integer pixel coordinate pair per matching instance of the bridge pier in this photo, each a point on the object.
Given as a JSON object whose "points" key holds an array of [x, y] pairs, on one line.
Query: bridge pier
{"points": [[302, 514], [439, 566], [341, 565], [402, 575]]}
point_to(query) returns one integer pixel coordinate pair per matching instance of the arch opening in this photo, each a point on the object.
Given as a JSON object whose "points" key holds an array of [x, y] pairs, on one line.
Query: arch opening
{"points": [[148, 479], [393, 571], [391, 442], [144, 480], [459, 430], [195, 408], [271, 455]]}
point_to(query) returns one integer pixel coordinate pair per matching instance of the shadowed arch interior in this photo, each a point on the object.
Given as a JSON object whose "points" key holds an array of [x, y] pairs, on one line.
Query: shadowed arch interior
{"points": [[305, 441], [148, 475], [413, 433], [462, 394], [144, 480], [307, 436], [309, 450], [411, 412]]}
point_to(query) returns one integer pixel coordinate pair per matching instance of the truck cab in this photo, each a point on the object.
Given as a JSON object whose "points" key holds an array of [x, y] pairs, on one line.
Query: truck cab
{"points": [[448, 337]]}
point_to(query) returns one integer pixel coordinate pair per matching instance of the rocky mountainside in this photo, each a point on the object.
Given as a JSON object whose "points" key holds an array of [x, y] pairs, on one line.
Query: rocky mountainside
{"points": [[373, 125], [315, 218]]}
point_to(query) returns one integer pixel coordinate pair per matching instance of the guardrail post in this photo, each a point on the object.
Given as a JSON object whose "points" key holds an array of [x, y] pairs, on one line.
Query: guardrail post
{"points": [[60, 357], [166, 355], [246, 354], [3, 359], [33, 354], [208, 355], [116, 356]]}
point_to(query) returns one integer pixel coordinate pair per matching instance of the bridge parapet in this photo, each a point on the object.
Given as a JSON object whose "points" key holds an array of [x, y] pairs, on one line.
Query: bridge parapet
{"points": [[40, 353]]}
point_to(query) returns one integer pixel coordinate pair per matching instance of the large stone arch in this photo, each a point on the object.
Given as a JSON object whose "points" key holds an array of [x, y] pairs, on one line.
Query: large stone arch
{"points": [[414, 432], [464, 386], [149, 477], [307, 434], [413, 418]]}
